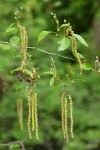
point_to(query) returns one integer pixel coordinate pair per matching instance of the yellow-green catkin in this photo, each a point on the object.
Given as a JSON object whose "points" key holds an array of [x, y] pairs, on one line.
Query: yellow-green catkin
{"points": [[66, 119], [71, 116], [33, 112], [70, 34], [24, 44], [36, 118], [20, 113], [29, 114], [63, 114], [74, 51]]}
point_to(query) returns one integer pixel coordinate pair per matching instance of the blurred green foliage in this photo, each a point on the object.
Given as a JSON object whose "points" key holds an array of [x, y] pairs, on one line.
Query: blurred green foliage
{"points": [[83, 16]]}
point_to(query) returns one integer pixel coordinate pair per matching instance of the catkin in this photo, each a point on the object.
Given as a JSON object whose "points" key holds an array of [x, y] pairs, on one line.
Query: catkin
{"points": [[29, 114], [36, 118], [24, 44], [66, 127], [71, 116], [70, 33], [33, 112], [63, 114], [20, 113], [74, 51]]}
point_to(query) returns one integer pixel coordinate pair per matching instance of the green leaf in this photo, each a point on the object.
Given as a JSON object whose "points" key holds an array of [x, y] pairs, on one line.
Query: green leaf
{"points": [[52, 81], [63, 44], [14, 40], [43, 34], [64, 25], [48, 73], [10, 28], [86, 66], [80, 55], [28, 72], [5, 46], [15, 70], [81, 39]]}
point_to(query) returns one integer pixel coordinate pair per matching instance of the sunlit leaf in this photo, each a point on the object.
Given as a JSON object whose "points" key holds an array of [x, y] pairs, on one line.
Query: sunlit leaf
{"points": [[43, 34], [28, 72], [63, 44], [86, 66], [64, 25], [9, 29], [48, 73], [80, 55], [14, 40], [15, 70], [80, 38], [52, 81]]}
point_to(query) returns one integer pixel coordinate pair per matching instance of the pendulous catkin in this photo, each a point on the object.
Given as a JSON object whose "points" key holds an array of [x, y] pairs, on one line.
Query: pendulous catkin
{"points": [[36, 118], [32, 114], [20, 113], [24, 44], [66, 120], [70, 34], [64, 115], [71, 116], [29, 114]]}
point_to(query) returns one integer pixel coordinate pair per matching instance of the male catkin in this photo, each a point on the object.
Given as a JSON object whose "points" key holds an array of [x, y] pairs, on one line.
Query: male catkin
{"points": [[29, 114], [36, 117], [33, 112], [20, 113], [71, 116], [64, 115], [24, 44]]}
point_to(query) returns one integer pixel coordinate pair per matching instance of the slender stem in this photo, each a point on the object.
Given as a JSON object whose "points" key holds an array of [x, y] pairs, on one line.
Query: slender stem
{"points": [[15, 142], [38, 49]]}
